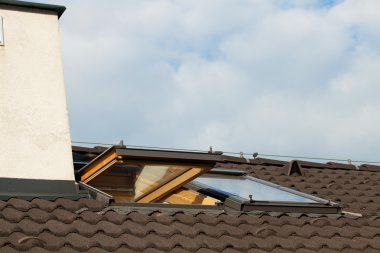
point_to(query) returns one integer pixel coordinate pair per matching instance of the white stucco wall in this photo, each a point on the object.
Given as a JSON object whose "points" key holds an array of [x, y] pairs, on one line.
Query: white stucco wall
{"points": [[34, 130]]}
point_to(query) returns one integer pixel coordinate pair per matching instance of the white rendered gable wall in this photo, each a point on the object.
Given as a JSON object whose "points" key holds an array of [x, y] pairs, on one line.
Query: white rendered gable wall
{"points": [[34, 129]]}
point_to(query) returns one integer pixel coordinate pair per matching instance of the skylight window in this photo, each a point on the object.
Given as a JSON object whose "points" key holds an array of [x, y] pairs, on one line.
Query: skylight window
{"points": [[187, 178], [143, 176], [250, 188]]}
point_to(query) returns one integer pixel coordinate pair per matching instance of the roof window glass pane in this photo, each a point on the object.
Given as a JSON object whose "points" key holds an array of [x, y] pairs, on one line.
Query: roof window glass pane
{"points": [[245, 186], [149, 177], [127, 176], [131, 182]]}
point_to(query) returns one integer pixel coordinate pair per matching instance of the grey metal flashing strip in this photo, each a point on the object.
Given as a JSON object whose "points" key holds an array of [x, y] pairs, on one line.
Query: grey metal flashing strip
{"points": [[96, 194], [256, 161], [167, 206], [50, 7], [169, 211], [290, 209], [95, 150], [39, 188], [164, 155], [228, 172], [234, 159], [237, 203]]}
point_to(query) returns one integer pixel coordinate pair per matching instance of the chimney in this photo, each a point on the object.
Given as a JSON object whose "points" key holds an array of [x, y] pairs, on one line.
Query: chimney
{"points": [[35, 146]]}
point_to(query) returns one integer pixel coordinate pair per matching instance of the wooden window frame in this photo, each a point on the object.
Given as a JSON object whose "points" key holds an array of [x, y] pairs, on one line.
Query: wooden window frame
{"points": [[111, 156], [189, 197], [179, 190]]}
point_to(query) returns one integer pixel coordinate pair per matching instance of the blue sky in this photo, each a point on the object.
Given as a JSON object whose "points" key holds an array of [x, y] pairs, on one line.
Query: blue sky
{"points": [[278, 77]]}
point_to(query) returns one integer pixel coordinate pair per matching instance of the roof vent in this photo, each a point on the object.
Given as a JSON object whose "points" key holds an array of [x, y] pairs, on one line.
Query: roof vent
{"points": [[295, 168]]}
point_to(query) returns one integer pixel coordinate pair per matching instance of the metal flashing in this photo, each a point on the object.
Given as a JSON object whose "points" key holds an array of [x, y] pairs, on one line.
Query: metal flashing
{"points": [[239, 203], [290, 208], [94, 150], [180, 157], [161, 206], [96, 194], [232, 172], [165, 155], [41, 6], [38, 188], [1, 32], [234, 159]]}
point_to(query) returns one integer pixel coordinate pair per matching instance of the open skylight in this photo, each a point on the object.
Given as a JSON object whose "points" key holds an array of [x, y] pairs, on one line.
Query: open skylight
{"points": [[145, 176], [172, 177]]}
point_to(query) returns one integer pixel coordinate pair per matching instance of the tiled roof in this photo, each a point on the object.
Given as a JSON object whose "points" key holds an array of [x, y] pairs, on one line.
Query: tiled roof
{"points": [[89, 226], [356, 189]]}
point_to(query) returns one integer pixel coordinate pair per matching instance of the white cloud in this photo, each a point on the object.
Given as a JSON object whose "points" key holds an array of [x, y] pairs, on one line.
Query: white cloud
{"points": [[286, 77]]}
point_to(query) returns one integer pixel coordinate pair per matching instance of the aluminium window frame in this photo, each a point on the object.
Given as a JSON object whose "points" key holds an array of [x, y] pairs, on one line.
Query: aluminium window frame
{"points": [[234, 202]]}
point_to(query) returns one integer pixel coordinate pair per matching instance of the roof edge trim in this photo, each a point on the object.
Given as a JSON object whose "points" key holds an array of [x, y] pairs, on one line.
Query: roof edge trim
{"points": [[219, 157], [59, 9]]}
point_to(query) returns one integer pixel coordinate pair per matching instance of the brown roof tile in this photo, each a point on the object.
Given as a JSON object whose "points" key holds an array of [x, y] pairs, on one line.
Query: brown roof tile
{"points": [[356, 190], [190, 233], [39, 215], [88, 226]]}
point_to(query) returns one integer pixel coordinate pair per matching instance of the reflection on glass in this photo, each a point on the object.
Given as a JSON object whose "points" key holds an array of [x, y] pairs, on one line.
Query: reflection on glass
{"points": [[127, 182], [243, 187], [150, 177]]}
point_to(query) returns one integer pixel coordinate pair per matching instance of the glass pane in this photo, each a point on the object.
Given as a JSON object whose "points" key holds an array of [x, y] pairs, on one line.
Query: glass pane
{"points": [[243, 187], [150, 177], [128, 182]]}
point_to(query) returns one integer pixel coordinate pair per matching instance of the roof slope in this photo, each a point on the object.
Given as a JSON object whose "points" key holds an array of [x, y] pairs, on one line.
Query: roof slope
{"points": [[356, 189], [88, 226]]}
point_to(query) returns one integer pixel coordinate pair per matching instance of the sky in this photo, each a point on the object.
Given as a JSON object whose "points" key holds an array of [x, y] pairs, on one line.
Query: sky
{"points": [[278, 77]]}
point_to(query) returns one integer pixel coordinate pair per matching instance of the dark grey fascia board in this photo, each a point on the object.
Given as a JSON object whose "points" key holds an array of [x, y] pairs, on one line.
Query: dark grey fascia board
{"points": [[59, 9], [167, 155], [39, 188], [215, 156], [153, 155], [288, 208], [228, 172]]}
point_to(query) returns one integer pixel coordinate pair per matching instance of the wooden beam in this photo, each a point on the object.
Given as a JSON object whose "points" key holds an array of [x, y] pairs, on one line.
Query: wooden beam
{"points": [[99, 165], [185, 196], [111, 157], [171, 186]]}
